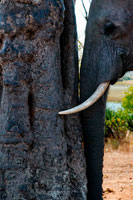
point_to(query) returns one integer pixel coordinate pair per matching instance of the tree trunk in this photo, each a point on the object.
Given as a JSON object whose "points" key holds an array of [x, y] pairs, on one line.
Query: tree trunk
{"points": [[41, 155]]}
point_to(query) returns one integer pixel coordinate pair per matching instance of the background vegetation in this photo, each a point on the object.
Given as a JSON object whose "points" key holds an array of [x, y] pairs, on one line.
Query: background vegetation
{"points": [[119, 123]]}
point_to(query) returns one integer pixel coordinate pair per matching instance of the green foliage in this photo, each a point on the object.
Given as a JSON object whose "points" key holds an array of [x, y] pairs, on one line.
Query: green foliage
{"points": [[127, 102], [118, 122]]}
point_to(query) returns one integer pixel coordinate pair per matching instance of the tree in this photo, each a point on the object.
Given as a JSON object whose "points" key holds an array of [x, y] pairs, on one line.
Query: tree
{"points": [[41, 155]]}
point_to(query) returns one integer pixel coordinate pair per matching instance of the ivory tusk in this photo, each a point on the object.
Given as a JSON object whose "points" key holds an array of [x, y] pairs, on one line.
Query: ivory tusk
{"points": [[90, 101]]}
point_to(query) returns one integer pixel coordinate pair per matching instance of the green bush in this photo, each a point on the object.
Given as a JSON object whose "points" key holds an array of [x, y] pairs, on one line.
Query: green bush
{"points": [[127, 102], [118, 122]]}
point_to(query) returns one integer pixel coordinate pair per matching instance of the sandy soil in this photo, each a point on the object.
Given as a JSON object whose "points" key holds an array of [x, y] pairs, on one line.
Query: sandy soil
{"points": [[118, 172]]}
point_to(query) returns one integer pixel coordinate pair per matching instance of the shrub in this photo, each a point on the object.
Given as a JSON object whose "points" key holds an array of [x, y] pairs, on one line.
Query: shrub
{"points": [[127, 102], [118, 122]]}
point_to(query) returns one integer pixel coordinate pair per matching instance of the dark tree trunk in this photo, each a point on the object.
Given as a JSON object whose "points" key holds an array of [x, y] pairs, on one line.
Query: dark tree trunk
{"points": [[41, 155]]}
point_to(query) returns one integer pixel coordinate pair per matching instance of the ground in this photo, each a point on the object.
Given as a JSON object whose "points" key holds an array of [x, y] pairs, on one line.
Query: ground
{"points": [[118, 172]]}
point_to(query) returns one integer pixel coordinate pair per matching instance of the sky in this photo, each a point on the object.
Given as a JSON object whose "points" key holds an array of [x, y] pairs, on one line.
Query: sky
{"points": [[80, 17]]}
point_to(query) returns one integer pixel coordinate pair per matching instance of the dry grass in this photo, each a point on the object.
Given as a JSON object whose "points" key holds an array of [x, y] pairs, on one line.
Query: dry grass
{"points": [[117, 91], [128, 83], [116, 95]]}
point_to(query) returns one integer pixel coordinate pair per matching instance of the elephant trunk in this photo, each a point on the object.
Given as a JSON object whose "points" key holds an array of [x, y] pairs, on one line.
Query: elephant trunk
{"points": [[93, 120], [93, 130]]}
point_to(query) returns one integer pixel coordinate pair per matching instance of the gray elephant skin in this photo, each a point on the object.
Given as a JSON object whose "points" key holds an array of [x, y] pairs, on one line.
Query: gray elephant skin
{"points": [[108, 54]]}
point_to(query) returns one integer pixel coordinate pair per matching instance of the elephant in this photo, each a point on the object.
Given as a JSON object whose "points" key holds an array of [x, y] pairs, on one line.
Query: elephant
{"points": [[107, 56]]}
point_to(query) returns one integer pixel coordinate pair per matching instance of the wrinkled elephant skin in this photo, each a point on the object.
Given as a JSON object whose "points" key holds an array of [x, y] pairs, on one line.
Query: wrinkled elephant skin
{"points": [[108, 54]]}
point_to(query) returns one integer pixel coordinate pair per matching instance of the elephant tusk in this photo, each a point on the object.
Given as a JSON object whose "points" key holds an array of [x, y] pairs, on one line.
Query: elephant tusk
{"points": [[90, 101]]}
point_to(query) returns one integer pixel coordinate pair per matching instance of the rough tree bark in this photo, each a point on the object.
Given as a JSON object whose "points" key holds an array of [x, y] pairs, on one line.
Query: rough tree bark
{"points": [[41, 157]]}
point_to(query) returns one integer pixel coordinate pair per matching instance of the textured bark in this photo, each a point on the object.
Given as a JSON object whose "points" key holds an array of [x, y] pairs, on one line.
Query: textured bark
{"points": [[41, 154]]}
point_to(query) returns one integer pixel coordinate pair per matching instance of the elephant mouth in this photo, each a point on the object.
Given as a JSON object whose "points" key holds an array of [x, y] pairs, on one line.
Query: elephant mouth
{"points": [[90, 101]]}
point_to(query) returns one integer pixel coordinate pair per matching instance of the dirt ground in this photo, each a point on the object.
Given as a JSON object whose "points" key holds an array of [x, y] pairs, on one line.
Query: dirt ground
{"points": [[118, 172]]}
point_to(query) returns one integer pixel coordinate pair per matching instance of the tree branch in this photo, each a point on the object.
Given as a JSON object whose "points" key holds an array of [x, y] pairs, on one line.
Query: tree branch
{"points": [[86, 14]]}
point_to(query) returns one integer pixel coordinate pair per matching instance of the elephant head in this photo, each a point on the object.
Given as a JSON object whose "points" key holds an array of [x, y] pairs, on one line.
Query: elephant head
{"points": [[108, 54]]}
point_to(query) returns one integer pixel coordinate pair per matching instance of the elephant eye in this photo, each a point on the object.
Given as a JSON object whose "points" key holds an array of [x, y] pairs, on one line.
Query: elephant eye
{"points": [[109, 28]]}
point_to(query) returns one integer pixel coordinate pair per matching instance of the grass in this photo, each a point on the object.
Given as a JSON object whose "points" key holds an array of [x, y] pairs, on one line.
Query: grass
{"points": [[117, 91], [127, 83]]}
